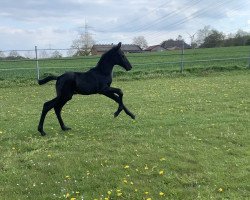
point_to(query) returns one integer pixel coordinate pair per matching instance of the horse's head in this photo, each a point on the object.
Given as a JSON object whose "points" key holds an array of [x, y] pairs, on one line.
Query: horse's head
{"points": [[120, 58]]}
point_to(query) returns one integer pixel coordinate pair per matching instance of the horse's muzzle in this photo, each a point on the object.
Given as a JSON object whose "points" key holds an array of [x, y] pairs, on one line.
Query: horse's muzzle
{"points": [[128, 68]]}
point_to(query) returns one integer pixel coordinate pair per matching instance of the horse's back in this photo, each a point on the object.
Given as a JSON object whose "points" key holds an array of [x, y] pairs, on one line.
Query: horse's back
{"points": [[86, 83]]}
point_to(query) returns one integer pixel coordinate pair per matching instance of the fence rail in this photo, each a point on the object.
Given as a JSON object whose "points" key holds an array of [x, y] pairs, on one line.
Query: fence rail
{"points": [[167, 59]]}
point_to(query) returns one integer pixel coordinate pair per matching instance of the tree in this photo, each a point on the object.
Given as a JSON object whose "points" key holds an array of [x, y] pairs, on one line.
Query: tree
{"points": [[82, 46], [56, 54], [179, 38], [2, 55], [43, 54], [14, 54], [248, 41], [202, 34], [29, 54], [214, 39], [140, 41], [241, 38]]}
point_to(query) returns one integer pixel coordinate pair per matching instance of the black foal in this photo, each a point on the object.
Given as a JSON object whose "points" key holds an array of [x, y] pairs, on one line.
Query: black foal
{"points": [[95, 81]]}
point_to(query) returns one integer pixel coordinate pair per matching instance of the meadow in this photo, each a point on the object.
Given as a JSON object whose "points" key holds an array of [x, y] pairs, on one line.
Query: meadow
{"points": [[190, 139]]}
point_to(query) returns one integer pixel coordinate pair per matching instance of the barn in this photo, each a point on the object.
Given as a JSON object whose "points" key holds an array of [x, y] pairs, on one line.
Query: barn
{"points": [[99, 49], [155, 48]]}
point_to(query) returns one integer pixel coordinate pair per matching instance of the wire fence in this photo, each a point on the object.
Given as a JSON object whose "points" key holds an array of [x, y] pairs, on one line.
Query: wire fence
{"points": [[25, 63]]}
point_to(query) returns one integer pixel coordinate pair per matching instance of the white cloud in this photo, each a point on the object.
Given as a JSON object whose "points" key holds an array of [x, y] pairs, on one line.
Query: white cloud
{"points": [[30, 22]]}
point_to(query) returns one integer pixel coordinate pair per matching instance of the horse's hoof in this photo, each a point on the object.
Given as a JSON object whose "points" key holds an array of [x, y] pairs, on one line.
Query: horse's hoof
{"points": [[131, 115], [65, 128], [42, 132]]}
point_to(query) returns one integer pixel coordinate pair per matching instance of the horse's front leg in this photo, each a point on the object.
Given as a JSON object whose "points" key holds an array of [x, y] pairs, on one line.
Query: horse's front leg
{"points": [[117, 100], [116, 94]]}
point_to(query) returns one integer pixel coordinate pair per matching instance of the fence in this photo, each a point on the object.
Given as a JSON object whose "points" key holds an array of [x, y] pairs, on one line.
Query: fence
{"points": [[26, 63]]}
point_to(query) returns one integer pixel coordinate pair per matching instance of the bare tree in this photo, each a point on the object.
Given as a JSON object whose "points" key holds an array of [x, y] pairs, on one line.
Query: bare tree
{"points": [[2, 55], [44, 54], [83, 44], [29, 54], [14, 54], [56, 54], [141, 41]]}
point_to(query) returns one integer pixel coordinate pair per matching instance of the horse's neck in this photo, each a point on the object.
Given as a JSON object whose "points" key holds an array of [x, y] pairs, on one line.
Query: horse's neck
{"points": [[105, 67]]}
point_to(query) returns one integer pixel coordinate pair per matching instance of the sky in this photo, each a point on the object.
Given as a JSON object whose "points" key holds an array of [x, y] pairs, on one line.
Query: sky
{"points": [[56, 23]]}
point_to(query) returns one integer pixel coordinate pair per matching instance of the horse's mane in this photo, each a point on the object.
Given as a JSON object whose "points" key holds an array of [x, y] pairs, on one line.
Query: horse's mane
{"points": [[105, 55]]}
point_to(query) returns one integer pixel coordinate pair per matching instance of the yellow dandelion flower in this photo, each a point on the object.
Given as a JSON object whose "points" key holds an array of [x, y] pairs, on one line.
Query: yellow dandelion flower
{"points": [[125, 181], [106, 198], [220, 190], [136, 190], [119, 194], [149, 199], [126, 166], [146, 193], [67, 177], [161, 194], [73, 198], [162, 159], [67, 195], [77, 192], [109, 192], [146, 167], [131, 183], [161, 172], [49, 155]]}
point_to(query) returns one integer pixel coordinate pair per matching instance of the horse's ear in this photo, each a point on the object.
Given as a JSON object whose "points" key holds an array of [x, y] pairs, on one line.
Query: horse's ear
{"points": [[119, 45], [116, 48]]}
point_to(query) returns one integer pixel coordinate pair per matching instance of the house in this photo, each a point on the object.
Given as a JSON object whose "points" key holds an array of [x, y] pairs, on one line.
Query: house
{"points": [[155, 48], [175, 44], [99, 49]]}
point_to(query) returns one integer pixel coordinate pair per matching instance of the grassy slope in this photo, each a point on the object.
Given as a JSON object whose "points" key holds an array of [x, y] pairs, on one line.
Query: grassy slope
{"points": [[193, 129]]}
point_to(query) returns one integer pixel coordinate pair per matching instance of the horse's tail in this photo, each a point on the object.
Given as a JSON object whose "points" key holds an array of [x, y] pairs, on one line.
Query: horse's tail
{"points": [[47, 79]]}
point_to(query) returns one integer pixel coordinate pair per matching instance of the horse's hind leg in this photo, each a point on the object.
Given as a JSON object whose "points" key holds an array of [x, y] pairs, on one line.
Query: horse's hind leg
{"points": [[47, 106], [58, 109]]}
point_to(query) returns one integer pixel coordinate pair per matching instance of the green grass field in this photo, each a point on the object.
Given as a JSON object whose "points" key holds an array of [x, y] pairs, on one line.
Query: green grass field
{"points": [[190, 140]]}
